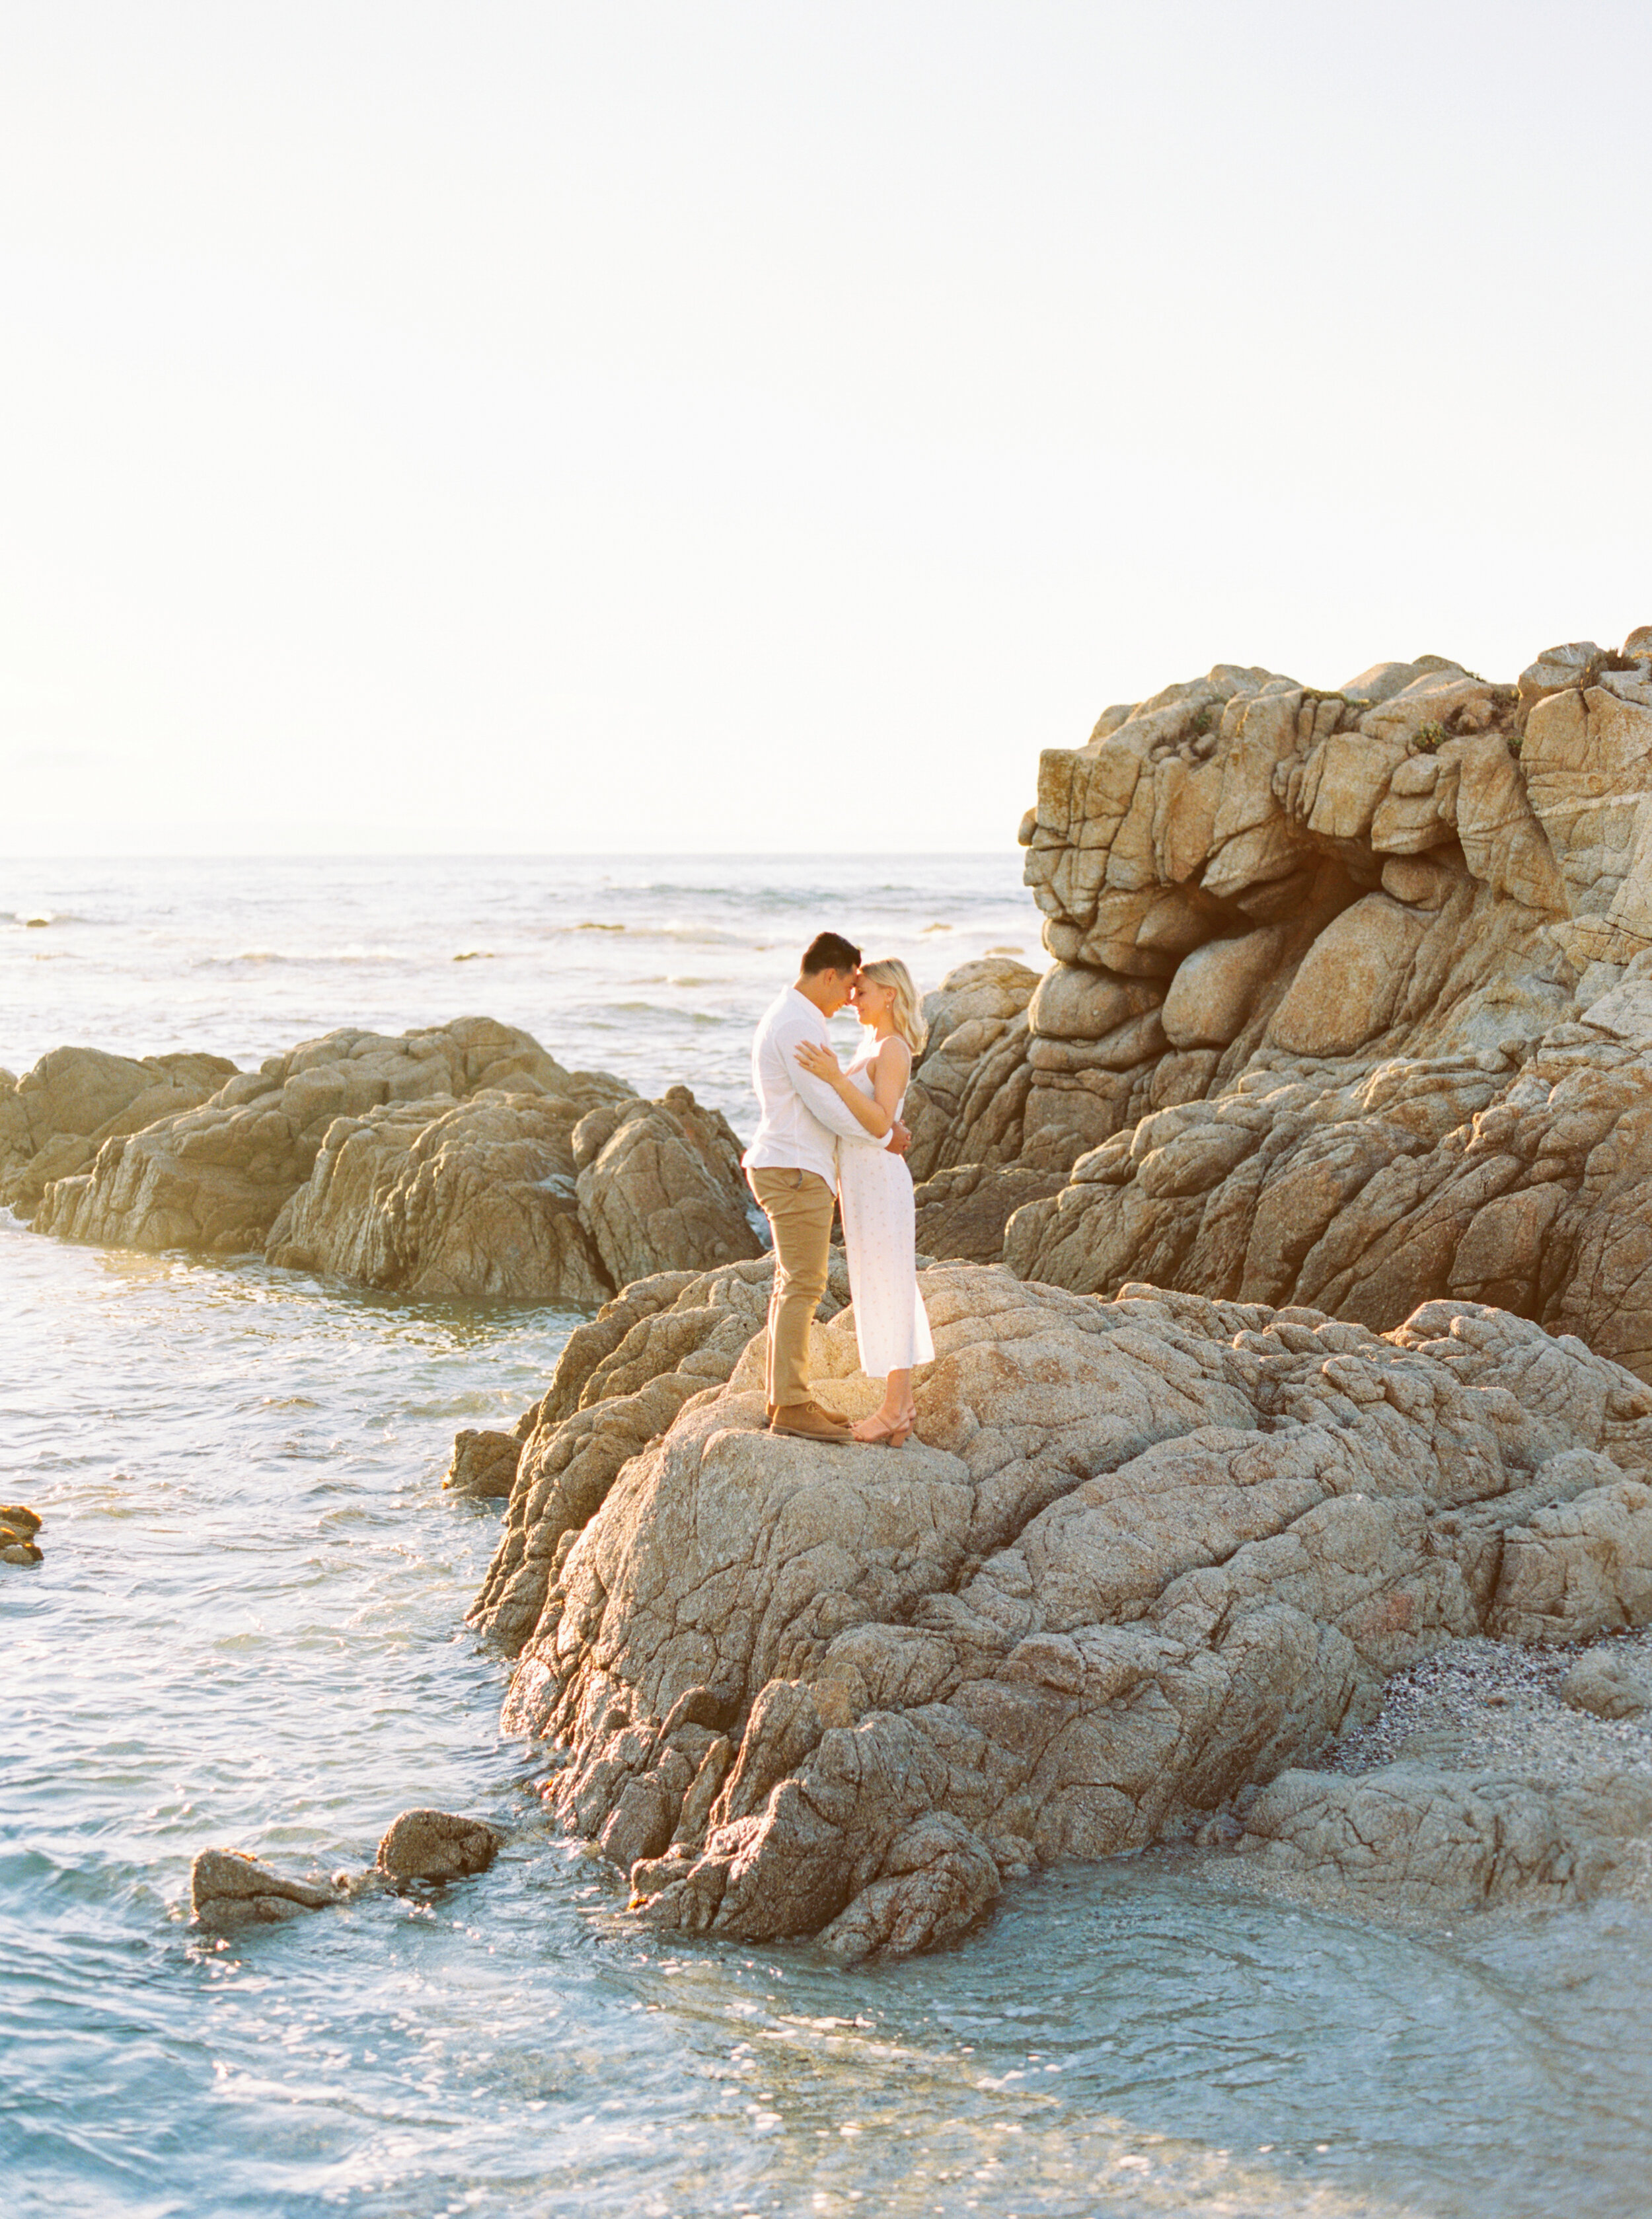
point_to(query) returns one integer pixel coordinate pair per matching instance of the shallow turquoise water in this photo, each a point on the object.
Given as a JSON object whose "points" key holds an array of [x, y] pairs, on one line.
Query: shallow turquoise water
{"points": [[247, 1631]]}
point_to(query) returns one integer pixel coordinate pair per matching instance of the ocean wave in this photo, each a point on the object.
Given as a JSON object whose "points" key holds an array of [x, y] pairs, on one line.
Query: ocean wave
{"points": [[698, 934], [333, 958], [613, 1016]]}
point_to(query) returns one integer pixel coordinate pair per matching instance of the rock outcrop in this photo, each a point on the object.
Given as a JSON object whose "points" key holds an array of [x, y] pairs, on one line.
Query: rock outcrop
{"points": [[461, 1160], [620, 1382], [1352, 1002], [976, 1019], [217, 1177], [56, 1117], [1493, 1775], [1147, 1554], [437, 1198], [660, 1185]]}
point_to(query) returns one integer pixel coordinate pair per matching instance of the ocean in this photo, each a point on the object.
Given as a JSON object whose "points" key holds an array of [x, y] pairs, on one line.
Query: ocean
{"points": [[248, 1631]]}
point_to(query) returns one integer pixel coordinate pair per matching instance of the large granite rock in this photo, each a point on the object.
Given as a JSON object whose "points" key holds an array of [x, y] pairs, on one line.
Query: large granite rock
{"points": [[964, 1211], [463, 1161], [441, 1198], [217, 1177], [619, 1383], [1145, 1554], [1352, 1004], [55, 1118], [661, 1188], [971, 1013]]}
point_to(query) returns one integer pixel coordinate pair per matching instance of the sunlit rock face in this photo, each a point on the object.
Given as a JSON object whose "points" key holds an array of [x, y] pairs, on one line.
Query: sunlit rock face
{"points": [[459, 1161], [54, 1120], [1352, 1004], [1146, 1554]]}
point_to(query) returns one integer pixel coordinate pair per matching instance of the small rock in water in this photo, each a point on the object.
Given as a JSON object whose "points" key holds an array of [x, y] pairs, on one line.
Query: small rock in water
{"points": [[18, 1527], [437, 1845], [229, 1889], [484, 1463]]}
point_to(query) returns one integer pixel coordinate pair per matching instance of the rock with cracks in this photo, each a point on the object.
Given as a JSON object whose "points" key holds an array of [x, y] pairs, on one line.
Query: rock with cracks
{"points": [[1145, 1554], [460, 1160], [1351, 1007], [444, 1198], [1495, 1775], [56, 1117], [217, 1177], [659, 1186], [620, 1380]]}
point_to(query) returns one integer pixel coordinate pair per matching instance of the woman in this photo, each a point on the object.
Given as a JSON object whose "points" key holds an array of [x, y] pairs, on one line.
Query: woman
{"points": [[874, 1191]]}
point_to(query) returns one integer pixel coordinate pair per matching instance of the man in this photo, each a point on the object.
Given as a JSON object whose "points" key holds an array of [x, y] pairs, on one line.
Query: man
{"points": [[792, 1167]]}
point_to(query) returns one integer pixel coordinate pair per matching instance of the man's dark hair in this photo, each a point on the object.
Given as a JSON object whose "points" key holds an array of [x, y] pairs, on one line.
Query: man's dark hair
{"points": [[830, 951]]}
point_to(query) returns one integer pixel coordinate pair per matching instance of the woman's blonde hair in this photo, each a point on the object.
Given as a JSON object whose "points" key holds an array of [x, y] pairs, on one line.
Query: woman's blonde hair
{"points": [[907, 1010]]}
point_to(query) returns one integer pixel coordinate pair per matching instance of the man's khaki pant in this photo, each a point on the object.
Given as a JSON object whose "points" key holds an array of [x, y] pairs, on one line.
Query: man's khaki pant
{"points": [[799, 1207]]}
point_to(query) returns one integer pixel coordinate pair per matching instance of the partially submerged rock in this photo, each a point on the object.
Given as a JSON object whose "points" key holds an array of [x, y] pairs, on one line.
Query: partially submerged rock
{"points": [[1422, 1838], [1145, 1554], [1494, 1776], [227, 1888], [437, 1845], [444, 1198], [459, 1161], [18, 1526], [484, 1463], [218, 1178]]}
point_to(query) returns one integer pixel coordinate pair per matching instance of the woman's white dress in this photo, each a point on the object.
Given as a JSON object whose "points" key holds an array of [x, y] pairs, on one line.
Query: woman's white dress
{"points": [[874, 1191]]}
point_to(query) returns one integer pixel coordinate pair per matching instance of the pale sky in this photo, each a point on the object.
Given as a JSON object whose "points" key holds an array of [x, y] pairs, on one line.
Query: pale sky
{"points": [[703, 426]]}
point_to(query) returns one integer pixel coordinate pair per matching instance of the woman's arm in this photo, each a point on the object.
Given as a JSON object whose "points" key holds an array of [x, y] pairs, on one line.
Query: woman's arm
{"points": [[875, 1116]]}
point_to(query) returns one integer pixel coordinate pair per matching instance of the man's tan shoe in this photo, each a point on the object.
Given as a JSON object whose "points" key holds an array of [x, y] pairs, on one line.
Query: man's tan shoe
{"points": [[807, 1421]]}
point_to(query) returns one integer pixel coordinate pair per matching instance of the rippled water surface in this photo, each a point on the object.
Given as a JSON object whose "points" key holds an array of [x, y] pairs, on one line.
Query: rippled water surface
{"points": [[247, 1630]]}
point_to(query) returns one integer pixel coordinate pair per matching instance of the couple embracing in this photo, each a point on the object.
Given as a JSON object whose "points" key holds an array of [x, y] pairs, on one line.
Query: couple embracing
{"points": [[829, 1134]]}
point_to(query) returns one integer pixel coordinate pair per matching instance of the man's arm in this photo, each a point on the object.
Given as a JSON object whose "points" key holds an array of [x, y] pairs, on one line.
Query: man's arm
{"points": [[821, 1101]]}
